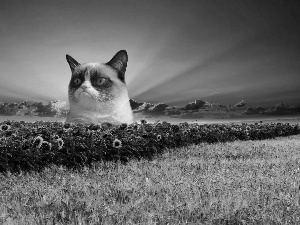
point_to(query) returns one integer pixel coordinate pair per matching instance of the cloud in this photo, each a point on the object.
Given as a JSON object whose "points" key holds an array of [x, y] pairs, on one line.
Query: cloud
{"points": [[197, 104], [282, 109], [279, 109], [200, 108], [193, 110], [240, 104]]}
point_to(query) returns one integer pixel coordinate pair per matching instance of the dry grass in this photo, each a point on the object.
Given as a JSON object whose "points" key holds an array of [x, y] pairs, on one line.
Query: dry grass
{"points": [[243, 182]]}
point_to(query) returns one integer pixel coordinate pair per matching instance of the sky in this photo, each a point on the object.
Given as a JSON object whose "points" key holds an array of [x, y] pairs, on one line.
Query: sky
{"points": [[178, 50]]}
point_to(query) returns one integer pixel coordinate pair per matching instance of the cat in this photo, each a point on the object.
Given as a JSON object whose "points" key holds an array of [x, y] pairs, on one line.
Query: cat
{"points": [[98, 93]]}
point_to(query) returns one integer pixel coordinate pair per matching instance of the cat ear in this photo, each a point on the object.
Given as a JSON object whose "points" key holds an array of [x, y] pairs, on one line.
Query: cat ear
{"points": [[119, 61], [72, 62]]}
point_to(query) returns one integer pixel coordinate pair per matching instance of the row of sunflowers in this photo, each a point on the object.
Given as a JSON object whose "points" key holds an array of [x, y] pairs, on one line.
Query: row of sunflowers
{"points": [[26, 146]]}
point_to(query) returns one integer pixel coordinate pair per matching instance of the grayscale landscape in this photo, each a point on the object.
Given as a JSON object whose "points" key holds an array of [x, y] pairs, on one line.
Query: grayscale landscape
{"points": [[214, 90]]}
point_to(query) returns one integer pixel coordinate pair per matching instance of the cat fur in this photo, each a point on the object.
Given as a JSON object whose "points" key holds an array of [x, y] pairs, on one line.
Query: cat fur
{"points": [[108, 102]]}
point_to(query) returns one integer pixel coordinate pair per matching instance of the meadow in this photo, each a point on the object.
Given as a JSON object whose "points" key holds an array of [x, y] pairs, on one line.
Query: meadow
{"points": [[228, 174]]}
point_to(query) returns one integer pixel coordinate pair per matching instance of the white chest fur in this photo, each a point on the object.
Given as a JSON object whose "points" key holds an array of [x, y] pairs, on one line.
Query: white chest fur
{"points": [[116, 112]]}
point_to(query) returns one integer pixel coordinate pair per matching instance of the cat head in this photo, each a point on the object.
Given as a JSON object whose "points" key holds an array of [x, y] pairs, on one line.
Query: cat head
{"points": [[93, 83]]}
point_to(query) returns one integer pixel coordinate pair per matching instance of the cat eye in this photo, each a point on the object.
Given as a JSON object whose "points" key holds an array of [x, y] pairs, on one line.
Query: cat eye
{"points": [[101, 81], [77, 81]]}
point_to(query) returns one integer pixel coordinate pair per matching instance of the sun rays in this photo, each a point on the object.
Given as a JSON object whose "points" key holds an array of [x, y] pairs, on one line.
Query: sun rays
{"points": [[178, 51]]}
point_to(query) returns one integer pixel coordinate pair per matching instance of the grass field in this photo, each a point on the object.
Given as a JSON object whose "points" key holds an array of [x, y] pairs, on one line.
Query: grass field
{"points": [[241, 182]]}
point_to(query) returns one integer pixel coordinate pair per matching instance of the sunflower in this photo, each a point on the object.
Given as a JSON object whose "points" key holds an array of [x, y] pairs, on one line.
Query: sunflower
{"points": [[55, 137], [158, 137], [38, 141], [143, 121], [117, 143], [60, 143], [4, 127], [123, 126], [129, 131], [68, 130]]}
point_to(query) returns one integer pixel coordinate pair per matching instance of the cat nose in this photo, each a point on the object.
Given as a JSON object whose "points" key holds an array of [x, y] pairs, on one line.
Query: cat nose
{"points": [[84, 86]]}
